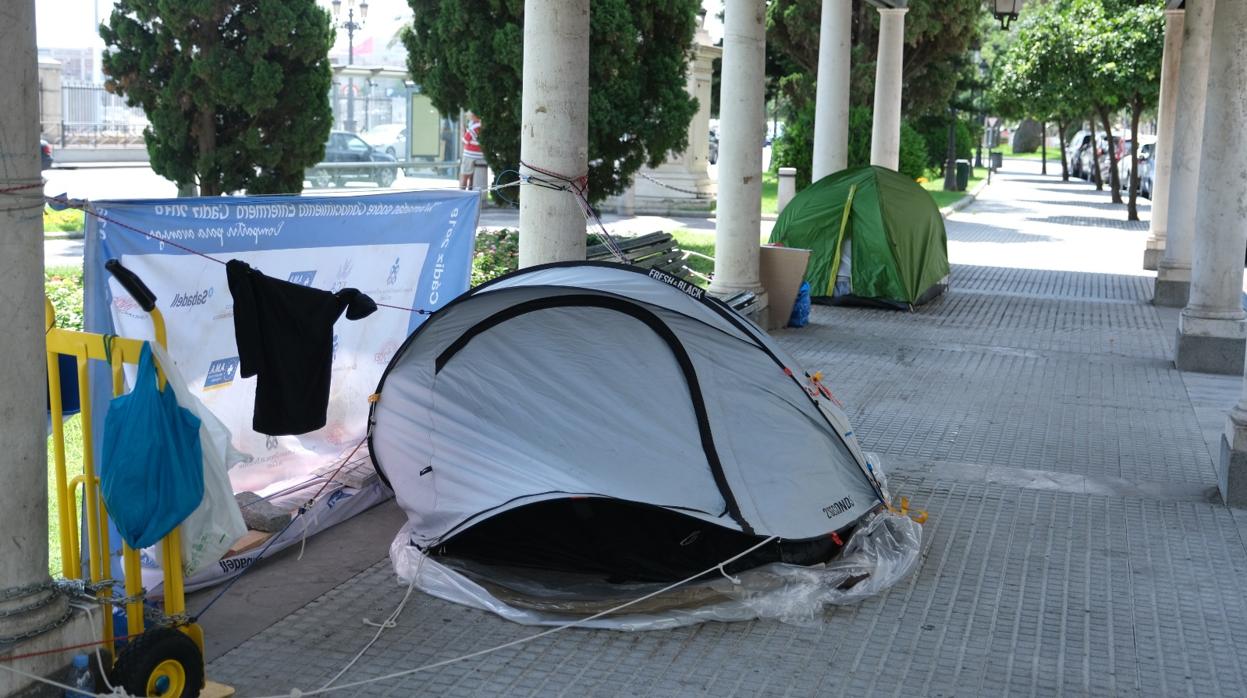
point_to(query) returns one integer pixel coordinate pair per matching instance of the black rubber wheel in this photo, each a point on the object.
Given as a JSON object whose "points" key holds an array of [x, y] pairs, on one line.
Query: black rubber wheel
{"points": [[161, 662], [386, 177]]}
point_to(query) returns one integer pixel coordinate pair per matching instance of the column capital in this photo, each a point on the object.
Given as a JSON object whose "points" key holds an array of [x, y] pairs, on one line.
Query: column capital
{"points": [[893, 10], [1175, 13]]}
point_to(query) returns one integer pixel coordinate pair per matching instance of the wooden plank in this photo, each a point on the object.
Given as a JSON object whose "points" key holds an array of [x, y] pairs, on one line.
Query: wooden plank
{"points": [[249, 541]]}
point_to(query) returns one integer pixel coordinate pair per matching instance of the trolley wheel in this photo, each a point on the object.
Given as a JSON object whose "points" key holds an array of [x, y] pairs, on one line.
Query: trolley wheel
{"points": [[161, 662]]}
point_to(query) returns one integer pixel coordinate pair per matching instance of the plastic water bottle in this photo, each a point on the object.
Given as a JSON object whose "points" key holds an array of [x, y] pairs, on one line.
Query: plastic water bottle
{"points": [[80, 678]]}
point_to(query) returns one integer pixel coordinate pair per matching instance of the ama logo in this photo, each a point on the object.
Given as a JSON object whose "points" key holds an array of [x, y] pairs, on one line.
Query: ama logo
{"points": [[221, 373], [393, 277], [302, 278]]}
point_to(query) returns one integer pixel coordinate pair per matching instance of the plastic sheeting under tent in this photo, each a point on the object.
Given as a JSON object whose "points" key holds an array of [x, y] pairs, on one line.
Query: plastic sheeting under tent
{"points": [[574, 436]]}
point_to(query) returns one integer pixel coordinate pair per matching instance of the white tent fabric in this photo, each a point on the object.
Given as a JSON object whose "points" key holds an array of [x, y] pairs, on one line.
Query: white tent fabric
{"points": [[597, 380]]}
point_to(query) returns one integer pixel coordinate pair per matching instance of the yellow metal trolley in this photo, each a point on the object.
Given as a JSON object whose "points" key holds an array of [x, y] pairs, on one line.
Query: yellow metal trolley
{"points": [[167, 658]]}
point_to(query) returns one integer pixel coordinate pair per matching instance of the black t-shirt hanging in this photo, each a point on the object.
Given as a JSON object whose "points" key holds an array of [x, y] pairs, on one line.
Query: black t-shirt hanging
{"points": [[285, 337]]}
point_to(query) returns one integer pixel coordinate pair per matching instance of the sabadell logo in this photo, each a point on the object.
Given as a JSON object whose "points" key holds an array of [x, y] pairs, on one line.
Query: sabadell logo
{"points": [[191, 298]]}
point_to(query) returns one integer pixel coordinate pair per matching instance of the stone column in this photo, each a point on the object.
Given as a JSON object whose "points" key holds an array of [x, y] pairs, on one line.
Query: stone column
{"points": [[831, 112], [738, 223], [1213, 326], [554, 129], [1223, 207], [31, 614], [885, 136], [1173, 276], [1163, 155]]}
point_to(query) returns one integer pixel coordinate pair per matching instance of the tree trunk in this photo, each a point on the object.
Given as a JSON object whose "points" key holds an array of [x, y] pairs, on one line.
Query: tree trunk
{"points": [[1113, 178], [1095, 158], [209, 185], [1061, 126], [1136, 107], [1043, 147]]}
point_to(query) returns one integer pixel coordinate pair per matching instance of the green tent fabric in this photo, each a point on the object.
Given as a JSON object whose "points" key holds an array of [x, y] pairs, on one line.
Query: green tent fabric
{"points": [[891, 225]]}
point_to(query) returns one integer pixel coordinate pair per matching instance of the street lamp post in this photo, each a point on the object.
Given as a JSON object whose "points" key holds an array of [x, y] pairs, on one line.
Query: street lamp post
{"points": [[1006, 11], [350, 25], [984, 71]]}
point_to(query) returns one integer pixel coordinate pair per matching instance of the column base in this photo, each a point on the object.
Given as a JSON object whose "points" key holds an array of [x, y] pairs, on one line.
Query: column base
{"points": [[77, 630], [1232, 466], [1171, 293], [1152, 256], [686, 192], [1210, 345], [1173, 285]]}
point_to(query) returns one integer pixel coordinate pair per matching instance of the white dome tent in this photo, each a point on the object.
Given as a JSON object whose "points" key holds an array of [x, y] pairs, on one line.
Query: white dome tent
{"points": [[573, 430]]}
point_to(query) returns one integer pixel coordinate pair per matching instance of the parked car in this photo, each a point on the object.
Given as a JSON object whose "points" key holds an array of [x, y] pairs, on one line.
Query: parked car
{"points": [[45, 152], [1084, 158], [1073, 152], [1147, 148], [388, 138], [1122, 147], [344, 147]]}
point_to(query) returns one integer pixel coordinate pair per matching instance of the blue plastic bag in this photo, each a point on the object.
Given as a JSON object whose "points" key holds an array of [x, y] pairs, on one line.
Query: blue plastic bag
{"points": [[801, 309], [151, 470]]}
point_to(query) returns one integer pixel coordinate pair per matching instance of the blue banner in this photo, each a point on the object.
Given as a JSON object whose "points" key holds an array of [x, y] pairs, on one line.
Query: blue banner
{"points": [[407, 250]]}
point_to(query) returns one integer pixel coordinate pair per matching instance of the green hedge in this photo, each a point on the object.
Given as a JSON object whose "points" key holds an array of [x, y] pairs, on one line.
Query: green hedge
{"points": [[796, 147], [63, 286]]}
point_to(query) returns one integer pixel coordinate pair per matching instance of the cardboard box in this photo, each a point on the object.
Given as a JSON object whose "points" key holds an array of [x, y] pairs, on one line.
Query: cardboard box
{"points": [[782, 269]]}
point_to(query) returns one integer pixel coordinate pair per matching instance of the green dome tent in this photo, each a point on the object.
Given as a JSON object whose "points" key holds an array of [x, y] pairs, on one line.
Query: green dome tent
{"points": [[876, 236]]}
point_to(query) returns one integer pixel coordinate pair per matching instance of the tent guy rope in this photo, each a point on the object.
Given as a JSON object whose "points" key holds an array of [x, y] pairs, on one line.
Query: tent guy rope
{"points": [[393, 618]]}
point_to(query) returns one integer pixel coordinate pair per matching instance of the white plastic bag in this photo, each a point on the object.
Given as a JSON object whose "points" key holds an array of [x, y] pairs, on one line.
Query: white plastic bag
{"points": [[216, 523]]}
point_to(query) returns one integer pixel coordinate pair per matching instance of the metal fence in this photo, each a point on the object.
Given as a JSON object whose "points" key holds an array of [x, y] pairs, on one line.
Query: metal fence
{"points": [[93, 117]]}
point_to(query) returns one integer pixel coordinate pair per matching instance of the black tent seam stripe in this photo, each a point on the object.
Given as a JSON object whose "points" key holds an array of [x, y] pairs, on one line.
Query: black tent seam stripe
{"points": [[660, 328], [472, 292]]}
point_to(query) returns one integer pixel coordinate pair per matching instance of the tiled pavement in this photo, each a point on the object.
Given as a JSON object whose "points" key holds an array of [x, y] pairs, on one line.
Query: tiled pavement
{"points": [[1075, 545]]}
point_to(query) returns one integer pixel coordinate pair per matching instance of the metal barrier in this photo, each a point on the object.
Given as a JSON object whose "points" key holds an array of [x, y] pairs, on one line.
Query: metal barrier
{"points": [[115, 352]]}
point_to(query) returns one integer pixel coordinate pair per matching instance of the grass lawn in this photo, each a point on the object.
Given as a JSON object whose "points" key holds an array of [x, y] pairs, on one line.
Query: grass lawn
{"points": [[703, 242], [1006, 150], [73, 467], [770, 192], [943, 198]]}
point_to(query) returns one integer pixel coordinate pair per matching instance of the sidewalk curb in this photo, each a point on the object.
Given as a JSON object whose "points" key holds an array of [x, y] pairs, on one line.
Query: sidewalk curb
{"points": [[963, 201], [63, 236]]}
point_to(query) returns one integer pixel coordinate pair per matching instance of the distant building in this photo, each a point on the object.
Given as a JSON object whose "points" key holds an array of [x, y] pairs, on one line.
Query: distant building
{"points": [[77, 64]]}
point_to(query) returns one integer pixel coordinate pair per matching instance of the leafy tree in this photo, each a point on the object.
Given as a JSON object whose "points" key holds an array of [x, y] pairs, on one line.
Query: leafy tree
{"points": [[937, 35], [237, 91], [1041, 75], [934, 131], [468, 54], [1138, 46], [793, 149]]}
